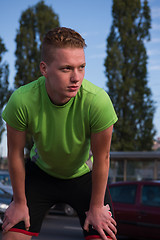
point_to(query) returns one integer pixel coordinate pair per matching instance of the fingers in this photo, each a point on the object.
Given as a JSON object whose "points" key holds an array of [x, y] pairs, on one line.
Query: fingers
{"points": [[102, 221], [86, 225], [8, 223], [113, 228], [5, 223], [108, 227], [102, 234], [107, 206], [27, 223], [4, 218], [113, 222], [7, 226], [110, 232]]}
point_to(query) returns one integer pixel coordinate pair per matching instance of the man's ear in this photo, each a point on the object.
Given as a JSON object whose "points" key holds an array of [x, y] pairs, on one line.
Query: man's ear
{"points": [[43, 69]]}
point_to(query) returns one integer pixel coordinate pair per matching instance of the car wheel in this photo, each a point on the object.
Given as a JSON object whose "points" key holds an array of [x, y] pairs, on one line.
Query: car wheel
{"points": [[69, 211]]}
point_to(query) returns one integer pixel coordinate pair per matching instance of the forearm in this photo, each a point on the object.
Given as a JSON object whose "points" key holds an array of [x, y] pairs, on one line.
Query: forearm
{"points": [[99, 181], [17, 175], [16, 143], [18, 209], [98, 215]]}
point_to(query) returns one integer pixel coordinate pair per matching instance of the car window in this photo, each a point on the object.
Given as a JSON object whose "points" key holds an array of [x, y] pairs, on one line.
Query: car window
{"points": [[123, 194], [4, 194], [151, 195], [5, 179], [1, 193]]}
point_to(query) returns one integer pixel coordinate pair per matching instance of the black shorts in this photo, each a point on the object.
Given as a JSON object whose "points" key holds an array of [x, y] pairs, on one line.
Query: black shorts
{"points": [[43, 191]]}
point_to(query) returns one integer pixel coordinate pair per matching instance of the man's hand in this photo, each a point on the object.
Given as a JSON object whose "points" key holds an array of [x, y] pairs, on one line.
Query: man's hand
{"points": [[15, 213], [101, 219]]}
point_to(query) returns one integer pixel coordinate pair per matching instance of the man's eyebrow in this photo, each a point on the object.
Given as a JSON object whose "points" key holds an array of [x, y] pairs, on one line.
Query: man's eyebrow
{"points": [[64, 66], [70, 66]]}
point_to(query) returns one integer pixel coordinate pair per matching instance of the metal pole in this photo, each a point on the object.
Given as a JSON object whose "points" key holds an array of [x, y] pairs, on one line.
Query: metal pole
{"points": [[155, 177], [125, 170]]}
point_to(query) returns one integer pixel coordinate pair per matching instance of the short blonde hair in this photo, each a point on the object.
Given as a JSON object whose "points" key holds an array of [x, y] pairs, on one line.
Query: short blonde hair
{"points": [[60, 37]]}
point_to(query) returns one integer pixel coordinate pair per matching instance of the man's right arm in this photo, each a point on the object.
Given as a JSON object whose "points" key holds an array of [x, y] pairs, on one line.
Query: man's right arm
{"points": [[18, 210]]}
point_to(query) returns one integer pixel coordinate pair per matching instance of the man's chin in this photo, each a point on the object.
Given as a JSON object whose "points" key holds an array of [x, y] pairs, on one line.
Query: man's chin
{"points": [[72, 94]]}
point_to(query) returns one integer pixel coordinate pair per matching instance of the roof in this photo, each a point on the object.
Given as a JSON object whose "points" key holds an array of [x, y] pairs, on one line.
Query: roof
{"points": [[141, 182], [136, 155]]}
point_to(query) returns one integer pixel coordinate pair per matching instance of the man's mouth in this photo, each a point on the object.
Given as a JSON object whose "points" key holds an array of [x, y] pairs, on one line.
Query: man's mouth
{"points": [[73, 88]]}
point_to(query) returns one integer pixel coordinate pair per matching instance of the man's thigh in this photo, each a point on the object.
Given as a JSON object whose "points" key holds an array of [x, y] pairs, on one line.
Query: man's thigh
{"points": [[15, 236], [79, 196], [41, 194]]}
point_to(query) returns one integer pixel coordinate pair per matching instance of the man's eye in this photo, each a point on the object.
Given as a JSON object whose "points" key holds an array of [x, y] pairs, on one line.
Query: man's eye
{"points": [[81, 67], [66, 69]]}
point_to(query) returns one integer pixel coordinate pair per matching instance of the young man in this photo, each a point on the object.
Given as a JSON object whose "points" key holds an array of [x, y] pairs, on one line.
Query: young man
{"points": [[67, 116]]}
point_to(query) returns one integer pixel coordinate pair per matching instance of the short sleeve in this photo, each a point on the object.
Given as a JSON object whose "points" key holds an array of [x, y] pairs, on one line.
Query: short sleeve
{"points": [[15, 113], [102, 113]]}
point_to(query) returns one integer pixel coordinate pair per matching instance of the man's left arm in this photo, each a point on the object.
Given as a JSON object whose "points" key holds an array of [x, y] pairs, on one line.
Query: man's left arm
{"points": [[98, 215]]}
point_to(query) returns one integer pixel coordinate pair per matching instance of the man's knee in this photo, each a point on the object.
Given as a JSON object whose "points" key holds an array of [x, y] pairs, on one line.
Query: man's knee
{"points": [[15, 236]]}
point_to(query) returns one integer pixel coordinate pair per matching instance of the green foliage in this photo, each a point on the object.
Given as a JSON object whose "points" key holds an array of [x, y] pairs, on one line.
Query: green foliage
{"points": [[34, 23], [126, 70], [4, 85]]}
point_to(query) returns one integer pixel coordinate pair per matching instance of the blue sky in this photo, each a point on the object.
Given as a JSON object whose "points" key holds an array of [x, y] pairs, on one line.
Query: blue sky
{"points": [[93, 20]]}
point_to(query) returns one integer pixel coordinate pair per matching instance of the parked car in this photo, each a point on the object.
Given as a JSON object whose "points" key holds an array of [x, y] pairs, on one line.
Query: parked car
{"points": [[5, 199], [62, 208], [5, 182], [137, 209]]}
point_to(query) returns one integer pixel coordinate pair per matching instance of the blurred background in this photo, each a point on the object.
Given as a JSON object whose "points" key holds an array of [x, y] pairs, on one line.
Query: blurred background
{"points": [[123, 57]]}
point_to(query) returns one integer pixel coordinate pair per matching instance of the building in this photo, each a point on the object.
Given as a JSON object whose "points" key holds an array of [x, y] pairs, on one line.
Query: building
{"points": [[156, 145], [126, 166]]}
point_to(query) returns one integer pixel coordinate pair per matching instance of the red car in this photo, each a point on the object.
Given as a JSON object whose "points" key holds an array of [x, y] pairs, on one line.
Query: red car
{"points": [[137, 209]]}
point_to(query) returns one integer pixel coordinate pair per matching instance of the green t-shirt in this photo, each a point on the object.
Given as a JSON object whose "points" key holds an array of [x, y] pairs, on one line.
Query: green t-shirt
{"points": [[61, 134]]}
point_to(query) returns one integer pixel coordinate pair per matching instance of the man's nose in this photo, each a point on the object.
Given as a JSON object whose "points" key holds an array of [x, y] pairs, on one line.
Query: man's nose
{"points": [[75, 76]]}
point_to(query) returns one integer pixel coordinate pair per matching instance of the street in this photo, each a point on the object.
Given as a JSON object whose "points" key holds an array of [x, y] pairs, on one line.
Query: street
{"points": [[59, 227]]}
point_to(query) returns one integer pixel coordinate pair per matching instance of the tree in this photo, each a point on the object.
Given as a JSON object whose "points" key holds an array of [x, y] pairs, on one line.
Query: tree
{"points": [[4, 85], [126, 70], [34, 23]]}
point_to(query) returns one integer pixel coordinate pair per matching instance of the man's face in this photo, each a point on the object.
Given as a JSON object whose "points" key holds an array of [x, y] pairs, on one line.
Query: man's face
{"points": [[64, 75]]}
